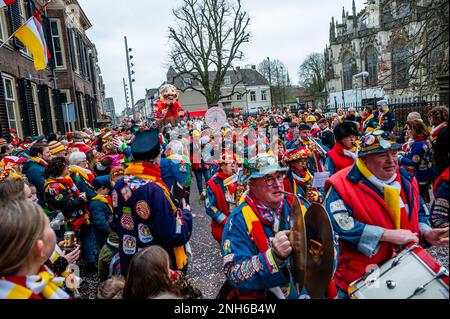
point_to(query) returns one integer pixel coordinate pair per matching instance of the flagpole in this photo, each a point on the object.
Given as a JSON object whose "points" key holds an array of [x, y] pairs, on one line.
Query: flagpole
{"points": [[14, 33]]}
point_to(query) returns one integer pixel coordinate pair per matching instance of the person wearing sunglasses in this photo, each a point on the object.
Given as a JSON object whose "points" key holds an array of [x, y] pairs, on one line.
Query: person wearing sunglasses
{"points": [[255, 242], [376, 209]]}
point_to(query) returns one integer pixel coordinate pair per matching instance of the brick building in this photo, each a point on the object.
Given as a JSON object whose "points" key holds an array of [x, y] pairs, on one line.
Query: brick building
{"points": [[32, 101]]}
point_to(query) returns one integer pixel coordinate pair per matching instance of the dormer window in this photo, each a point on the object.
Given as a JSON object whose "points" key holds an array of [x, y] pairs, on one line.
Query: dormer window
{"points": [[227, 80]]}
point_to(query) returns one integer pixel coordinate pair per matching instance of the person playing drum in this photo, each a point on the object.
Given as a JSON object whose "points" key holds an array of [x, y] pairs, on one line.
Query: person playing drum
{"points": [[375, 208]]}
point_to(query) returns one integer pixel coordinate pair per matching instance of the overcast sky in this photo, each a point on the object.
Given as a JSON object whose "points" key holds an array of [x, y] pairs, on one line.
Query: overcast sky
{"points": [[287, 30]]}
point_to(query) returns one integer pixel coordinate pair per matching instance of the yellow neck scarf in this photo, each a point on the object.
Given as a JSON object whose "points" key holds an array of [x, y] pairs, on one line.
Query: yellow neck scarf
{"points": [[391, 194]]}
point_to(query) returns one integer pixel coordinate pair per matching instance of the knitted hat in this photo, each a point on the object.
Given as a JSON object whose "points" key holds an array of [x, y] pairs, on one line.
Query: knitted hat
{"points": [[345, 129], [56, 147]]}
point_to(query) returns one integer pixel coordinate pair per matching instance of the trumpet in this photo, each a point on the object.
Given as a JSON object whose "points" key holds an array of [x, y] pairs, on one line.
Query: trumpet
{"points": [[318, 147]]}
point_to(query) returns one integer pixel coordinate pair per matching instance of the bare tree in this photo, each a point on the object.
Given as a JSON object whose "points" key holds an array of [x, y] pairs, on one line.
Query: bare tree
{"points": [[421, 55], [312, 77], [206, 42]]}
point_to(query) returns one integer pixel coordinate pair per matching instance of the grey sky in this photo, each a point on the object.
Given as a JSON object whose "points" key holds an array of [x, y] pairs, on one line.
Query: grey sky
{"points": [[288, 30]]}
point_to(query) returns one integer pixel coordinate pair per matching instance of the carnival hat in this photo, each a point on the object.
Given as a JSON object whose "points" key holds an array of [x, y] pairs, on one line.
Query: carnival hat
{"points": [[263, 164], [146, 145], [378, 142], [228, 157], [56, 147], [345, 129], [296, 154], [311, 119]]}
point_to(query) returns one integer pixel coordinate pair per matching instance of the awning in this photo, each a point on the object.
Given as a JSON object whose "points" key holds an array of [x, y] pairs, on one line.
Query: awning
{"points": [[197, 113]]}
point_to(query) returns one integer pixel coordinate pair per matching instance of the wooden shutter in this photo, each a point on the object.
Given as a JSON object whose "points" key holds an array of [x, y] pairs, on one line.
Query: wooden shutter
{"points": [[57, 104], [71, 48], [79, 108], [4, 124], [27, 111], [15, 22], [44, 105]]}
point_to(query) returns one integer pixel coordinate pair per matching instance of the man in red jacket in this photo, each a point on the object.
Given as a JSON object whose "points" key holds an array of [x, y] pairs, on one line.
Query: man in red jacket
{"points": [[343, 153], [375, 207]]}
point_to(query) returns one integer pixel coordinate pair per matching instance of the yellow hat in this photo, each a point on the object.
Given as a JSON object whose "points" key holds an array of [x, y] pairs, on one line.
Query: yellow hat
{"points": [[311, 119]]}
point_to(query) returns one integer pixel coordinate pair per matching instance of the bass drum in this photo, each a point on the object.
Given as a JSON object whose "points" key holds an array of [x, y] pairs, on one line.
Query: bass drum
{"points": [[412, 274]]}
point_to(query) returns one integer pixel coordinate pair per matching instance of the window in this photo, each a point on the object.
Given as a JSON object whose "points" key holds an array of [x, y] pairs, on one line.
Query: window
{"points": [[187, 81], [11, 105], [76, 53], [227, 80], [436, 56], [263, 95], [37, 110], [253, 96], [400, 65], [239, 97], [348, 72], [230, 98], [58, 52], [372, 65]]}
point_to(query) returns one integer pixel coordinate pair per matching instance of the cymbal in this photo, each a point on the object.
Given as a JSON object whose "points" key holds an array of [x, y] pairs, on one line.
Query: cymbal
{"points": [[298, 242], [320, 251]]}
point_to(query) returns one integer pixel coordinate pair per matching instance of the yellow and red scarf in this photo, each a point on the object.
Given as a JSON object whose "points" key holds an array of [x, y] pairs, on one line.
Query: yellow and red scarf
{"points": [[44, 285], [87, 174], [40, 161]]}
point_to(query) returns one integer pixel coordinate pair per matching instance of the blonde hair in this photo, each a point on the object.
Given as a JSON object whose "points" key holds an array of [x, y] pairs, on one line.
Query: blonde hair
{"points": [[22, 223]]}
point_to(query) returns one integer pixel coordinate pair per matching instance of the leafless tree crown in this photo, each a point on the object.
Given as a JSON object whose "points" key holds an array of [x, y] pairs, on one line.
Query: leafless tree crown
{"points": [[206, 40]]}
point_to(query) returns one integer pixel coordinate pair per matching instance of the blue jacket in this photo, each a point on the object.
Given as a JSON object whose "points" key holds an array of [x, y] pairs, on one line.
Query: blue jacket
{"points": [[388, 121], [172, 171], [419, 161], [35, 174], [143, 216], [101, 214]]}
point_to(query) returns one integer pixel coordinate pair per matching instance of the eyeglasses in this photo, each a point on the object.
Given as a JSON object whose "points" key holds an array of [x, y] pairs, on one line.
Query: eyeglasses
{"points": [[270, 180]]}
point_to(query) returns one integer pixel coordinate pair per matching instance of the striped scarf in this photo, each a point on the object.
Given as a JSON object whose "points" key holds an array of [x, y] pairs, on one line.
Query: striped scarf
{"points": [[39, 160], [87, 174], [66, 181], [104, 199], [393, 194], [44, 285]]}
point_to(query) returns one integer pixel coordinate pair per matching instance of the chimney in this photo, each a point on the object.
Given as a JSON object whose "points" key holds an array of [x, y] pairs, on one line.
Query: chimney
{"points": [[238, 68], [253, 67]]}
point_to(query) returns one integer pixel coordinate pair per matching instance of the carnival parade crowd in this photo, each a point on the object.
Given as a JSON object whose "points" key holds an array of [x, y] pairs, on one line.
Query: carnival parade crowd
{"points": [[119, 199]]}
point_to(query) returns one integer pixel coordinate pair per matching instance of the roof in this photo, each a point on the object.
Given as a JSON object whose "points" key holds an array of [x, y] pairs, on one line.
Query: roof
{"points": [[248, 77]]}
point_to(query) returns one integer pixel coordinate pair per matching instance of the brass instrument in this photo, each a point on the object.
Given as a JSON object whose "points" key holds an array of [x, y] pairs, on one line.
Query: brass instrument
{"points": [[316, 146], [309, 191]]}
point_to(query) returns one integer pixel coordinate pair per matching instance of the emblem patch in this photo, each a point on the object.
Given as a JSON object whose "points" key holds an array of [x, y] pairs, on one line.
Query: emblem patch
{"points": [[142, 210], [129, 245], [127, 220], [226, 247], [145, 236], [337, 206], [126, 193], [344, 220]]}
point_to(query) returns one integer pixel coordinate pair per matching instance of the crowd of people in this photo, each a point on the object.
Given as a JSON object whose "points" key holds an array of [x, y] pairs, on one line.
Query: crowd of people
{"points": [[124, 194]]}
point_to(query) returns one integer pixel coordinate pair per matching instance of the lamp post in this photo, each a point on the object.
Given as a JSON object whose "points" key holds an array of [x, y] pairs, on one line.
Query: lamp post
{"points": [[130, 73], [363, 75], [125, 90]]}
